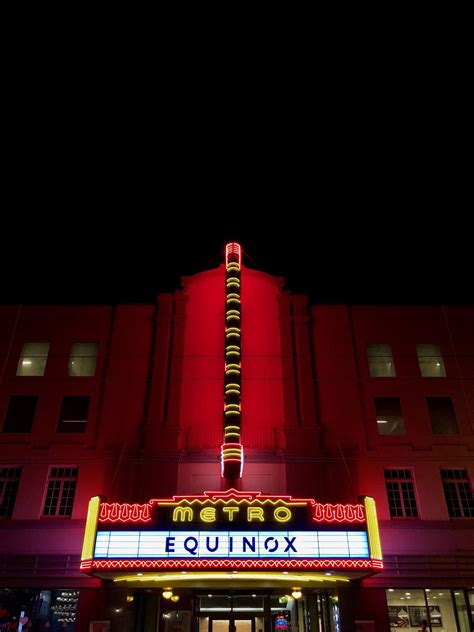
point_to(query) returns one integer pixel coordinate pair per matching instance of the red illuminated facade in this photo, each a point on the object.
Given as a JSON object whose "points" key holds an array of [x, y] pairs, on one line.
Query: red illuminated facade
{"points": [[328, 402]]}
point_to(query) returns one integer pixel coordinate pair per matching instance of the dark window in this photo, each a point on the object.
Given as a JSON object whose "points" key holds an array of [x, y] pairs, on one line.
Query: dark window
{"points": [[9, 481], [389, 416], [442, 415], [73, 414], [401, 493], [60, 491], [458, 493], [20, 413]]}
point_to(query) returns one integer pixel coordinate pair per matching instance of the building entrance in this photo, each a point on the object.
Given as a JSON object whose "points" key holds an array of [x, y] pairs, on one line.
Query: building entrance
{"points": [[242, 623]]}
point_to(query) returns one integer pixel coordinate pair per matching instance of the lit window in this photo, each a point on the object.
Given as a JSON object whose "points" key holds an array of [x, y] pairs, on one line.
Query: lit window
{"points": [[442, 415], [83, 358], [73, 414], [380, 361], [60, 492], [401, 493], [9, 481], [458, 493], [20, 413], [33, 359], [430, 361], [389, 416]]}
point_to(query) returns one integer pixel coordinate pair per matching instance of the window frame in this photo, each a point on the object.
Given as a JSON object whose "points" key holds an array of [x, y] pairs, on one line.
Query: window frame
{"points": [[454, 481], [23, 355], [399, 480], [16, 431], [84, 423], [5, 479], [370, 356], [442, 434], [442, 364], [62, 480], [83, 342], [376, 414]]}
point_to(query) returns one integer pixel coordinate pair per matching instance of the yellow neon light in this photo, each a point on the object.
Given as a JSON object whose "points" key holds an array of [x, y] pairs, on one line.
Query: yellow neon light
{"points": [[372, 528], [232, 348], [282, 514], [232, 428], [233, 280], [91, 529], [233, 300], [230, 511], [182, 514], [232, 385], [237, 406], [238, 576], [208, 514], [232, 412], [232, 392], [232, 317], [231, 434], [233, 353], [233, 295], [233, 284], [237, 329], [255, 512], [232, 335], [232, 372]]}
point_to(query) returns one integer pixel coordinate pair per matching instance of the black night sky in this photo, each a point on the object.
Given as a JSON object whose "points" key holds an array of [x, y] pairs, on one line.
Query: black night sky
{"points": [[343, 259]]}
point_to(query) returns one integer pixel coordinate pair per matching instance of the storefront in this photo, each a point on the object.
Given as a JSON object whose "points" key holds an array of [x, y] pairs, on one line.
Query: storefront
{"points": [[231, 561]]}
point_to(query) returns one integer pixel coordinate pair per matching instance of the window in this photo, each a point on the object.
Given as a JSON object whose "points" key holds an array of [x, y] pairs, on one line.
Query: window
{"points": [[73, 414], [380, 361], [442, 416], [9, 481], [458, 493], [33, 358], [83, 358], [430, 361], [389, 416], [401, 493], [60, 492], [20, 413]]}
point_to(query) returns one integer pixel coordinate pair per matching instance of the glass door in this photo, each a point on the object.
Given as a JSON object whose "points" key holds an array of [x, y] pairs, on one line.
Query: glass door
{"points": [[232, 625]]}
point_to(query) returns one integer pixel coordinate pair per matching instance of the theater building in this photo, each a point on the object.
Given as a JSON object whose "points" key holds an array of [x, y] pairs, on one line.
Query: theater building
{"points": [[234, 459]]}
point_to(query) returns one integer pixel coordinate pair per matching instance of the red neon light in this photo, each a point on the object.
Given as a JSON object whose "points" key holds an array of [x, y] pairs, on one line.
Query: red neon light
{"points": [[233, 248], [338, 513], [125, 513], [226, 564]]}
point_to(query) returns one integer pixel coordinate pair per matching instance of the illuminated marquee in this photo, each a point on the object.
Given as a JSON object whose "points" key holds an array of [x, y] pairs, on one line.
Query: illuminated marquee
{"points": [[231, 530]]}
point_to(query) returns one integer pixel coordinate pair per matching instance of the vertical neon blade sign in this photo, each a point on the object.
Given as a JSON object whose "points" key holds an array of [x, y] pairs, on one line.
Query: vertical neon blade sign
{"points": [[232, 456]]}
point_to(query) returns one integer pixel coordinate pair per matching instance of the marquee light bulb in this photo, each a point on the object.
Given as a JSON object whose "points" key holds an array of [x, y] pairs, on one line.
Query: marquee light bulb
{"points": [[175, 598], [296, 594], [167, 593]]}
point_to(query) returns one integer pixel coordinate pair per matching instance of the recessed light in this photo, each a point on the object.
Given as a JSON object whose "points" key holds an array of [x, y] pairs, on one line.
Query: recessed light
{"points": [[254, 595], [285, 572], [184, 572], [382, 421], [440, 594], [428, 590], [139, 574], [209, 595], [407, 593], [328, 573], [390, 590]]}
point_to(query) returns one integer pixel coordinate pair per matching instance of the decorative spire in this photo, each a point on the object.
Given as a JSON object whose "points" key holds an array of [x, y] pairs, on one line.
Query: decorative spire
{"points": [[232, 456]]}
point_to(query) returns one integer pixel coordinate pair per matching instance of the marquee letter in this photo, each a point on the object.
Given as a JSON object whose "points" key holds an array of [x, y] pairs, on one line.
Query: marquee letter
{"points": [[231, 511], [249, 543], [182, 514], [282, 514], [170, 544], [208, 514], [289, 543], [193, 548], [255, 512], [208, 545], [266, 545]]}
